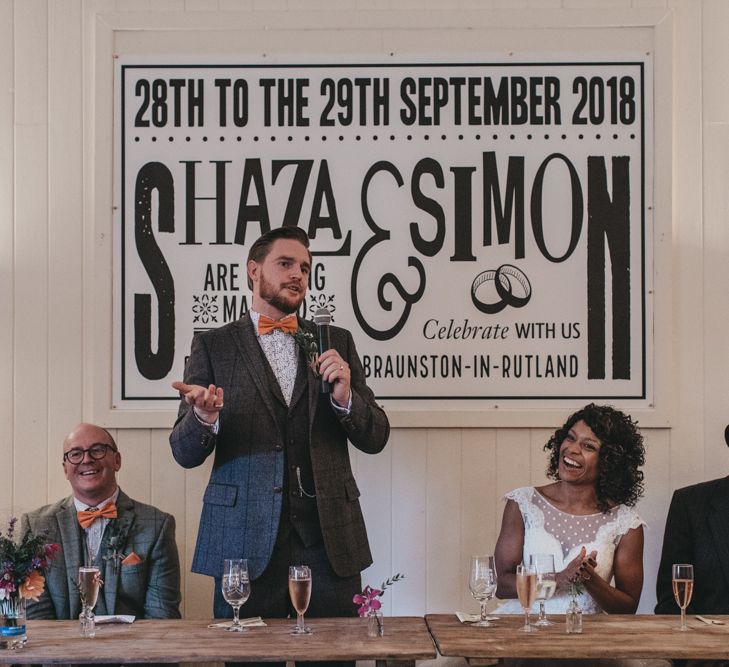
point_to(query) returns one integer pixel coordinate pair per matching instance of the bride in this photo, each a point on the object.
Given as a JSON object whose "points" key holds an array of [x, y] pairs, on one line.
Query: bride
{"points": [[585, 519]]}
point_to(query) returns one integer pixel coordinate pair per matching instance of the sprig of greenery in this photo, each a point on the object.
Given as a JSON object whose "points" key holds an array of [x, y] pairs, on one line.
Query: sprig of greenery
{"points": [[576, 588], [389, 582]]}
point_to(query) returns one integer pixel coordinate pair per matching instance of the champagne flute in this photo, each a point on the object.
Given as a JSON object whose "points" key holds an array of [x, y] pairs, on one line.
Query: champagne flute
{"points": [[526, 589], [546, 583], [236, 588], [300, 592], [482, 584], [683, 588], [88, 583]]}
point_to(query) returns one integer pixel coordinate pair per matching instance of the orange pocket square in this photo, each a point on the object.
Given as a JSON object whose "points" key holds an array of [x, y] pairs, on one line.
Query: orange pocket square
{"points": [[131, 559]]}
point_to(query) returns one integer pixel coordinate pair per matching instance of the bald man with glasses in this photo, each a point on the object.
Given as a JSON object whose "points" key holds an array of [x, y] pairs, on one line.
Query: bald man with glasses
{"points": [[133, 544]]}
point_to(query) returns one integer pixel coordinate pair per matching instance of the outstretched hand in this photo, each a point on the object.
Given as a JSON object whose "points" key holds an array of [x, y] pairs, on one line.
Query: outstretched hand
{"points": [[206, 402]]}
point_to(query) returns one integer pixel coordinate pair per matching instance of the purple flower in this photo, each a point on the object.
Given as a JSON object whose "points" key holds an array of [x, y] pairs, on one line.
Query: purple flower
{"points": [[368, 600]]}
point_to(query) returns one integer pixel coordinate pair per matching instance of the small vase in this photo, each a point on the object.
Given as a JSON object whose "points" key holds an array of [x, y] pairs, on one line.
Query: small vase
{"points": [[573, 618], [87, 622], [12, 622], [375, 624]]}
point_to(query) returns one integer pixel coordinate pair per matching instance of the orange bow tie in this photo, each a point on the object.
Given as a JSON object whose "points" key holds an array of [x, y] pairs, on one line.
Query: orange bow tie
{"points": [[266, 325], [87, 517]]}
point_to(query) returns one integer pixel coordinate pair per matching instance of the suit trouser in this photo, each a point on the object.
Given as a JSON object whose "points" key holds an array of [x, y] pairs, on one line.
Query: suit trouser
{"points": [[331, 595]]}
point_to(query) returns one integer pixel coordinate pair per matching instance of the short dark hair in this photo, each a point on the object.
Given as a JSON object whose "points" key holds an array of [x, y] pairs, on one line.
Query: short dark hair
{"points": [[262, 245], [621, 453]]}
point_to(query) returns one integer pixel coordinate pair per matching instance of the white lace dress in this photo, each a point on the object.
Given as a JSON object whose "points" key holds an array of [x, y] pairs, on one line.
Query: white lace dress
{"points": [[551, 531]]}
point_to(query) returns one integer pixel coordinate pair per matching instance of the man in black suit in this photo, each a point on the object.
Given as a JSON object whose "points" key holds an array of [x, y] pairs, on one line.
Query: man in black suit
{"points": [[697, 532]]}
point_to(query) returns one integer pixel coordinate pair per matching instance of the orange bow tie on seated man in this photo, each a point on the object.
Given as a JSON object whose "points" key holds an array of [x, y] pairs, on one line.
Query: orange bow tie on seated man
{"points": [[87, 517], [266, 325]]}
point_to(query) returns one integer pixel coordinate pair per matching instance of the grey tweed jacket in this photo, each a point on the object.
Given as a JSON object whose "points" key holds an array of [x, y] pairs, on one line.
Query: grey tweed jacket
{"points": [[150, 589], [242, 502]]}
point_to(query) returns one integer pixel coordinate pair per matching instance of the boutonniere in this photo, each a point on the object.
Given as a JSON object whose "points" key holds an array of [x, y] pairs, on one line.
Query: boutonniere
{"points": [[308, 345], [115, 537]]}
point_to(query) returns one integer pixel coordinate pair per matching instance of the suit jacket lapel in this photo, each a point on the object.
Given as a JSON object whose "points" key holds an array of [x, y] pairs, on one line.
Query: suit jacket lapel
{"points": [[73, 547], [111, 567], [245, 339], [719, 525], [312, 380]]}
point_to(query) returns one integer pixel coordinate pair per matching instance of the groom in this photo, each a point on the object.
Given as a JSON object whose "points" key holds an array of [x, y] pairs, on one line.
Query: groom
{"points": [[281, 490]]}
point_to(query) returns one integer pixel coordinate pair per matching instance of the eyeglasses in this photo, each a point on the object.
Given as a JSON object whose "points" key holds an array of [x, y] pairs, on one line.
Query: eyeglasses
{"points": [[97, 451]]}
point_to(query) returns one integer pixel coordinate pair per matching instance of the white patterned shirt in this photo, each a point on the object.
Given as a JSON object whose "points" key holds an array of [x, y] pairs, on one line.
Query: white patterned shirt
{"points": [[282, 354]]}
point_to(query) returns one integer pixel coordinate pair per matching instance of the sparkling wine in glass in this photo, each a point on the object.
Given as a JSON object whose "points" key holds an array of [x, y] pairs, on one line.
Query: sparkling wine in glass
{"points": [[300, 592], [546, 583], [236, 588], [683, 588], [482, 584], [526, 589], [88, 583]]}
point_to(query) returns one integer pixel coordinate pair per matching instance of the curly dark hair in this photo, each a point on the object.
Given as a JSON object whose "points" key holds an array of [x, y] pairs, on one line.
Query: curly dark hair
{"points": [[622, 452]]}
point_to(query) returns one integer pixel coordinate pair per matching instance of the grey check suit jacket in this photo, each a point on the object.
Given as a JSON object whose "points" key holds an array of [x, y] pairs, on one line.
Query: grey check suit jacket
{"points": [[242, 502], [150, 589]]}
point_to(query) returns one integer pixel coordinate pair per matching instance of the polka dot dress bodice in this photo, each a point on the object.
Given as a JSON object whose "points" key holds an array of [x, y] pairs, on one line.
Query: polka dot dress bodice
{"points": [[549, 530]]}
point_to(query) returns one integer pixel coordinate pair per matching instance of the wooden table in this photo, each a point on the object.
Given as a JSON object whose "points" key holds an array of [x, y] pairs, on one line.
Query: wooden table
{"points": [[56, 642], [603, 636]]}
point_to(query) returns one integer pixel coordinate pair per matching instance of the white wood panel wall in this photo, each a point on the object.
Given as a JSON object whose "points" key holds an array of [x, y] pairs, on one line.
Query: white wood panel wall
{"points": [[433, 497]]}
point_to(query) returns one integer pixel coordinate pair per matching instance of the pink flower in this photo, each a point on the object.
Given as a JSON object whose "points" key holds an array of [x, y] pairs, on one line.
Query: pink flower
{"points": [[368, 600]]}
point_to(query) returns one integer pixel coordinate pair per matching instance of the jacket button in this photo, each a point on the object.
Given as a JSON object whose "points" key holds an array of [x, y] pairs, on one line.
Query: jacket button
{"points": [[277, 489], [278, 448]]}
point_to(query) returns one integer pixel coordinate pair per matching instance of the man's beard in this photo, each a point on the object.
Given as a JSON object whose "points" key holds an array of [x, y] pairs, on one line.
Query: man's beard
{"points": [[276, 299]]}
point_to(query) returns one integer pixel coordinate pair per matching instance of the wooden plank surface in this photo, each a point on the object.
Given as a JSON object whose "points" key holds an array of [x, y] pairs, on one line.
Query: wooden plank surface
{"points": [[616, 636], [59, 642]]}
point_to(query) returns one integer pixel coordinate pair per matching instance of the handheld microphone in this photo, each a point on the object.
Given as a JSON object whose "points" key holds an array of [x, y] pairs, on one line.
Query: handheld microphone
{"points": [[322, 319]]}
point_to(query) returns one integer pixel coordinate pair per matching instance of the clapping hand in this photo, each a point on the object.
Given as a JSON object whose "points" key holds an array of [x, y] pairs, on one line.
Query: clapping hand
{"points": [[580, 568]]}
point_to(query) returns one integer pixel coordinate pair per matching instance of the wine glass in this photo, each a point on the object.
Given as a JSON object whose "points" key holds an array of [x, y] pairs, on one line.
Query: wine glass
{"points": [[526, 589], [546, 583], [88, 583], [236, 588], [482, 584], [300, 592], [683, 588]]}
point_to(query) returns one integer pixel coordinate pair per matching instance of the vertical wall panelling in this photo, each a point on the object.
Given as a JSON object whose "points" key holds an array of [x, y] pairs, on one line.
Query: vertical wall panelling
{"points": [[65, 230], [409, 464], [513, 463], [687, 242], [135, 475], [442, 539], [716, 239], [374, 478], [540, 459], [653, 508], [478, 503], [30, 315], [7, 264]]}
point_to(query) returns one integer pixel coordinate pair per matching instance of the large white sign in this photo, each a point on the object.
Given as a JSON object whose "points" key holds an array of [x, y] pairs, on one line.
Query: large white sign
{"points": [[483, 229]]}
